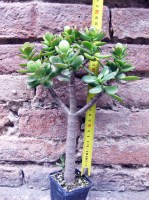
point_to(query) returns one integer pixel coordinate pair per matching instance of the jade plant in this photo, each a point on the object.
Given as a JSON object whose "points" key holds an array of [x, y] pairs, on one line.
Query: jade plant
{"points": [[64, 54]]}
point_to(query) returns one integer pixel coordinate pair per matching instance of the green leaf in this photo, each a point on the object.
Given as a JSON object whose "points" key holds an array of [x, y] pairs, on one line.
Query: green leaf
{"points": [[89, 57], [55, 42], [88, 45], [61, 65], [111, 89], [33, 84], [84, 36], [89, 79], [116, 98], [31, 79], [48, 37], [32, 66], [131, 78], [88, 70], [23, 71], [64, 46], [66, 72], [39, 72], [100, 43], [121, 76], [55, 59], [96, 90], [109, 76], [98, 55], [127, 69], [100, 36], [105, 70], [28, 50], [72, 56], [62, 78], [100, 76], [48, 83], [77, 61]]}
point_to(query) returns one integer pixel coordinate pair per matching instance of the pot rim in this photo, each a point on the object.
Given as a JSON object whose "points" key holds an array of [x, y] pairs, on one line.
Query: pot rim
{"points": [[75, 190]]}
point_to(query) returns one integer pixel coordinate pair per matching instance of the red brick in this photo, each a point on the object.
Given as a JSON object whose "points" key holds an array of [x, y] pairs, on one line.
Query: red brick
{"points": [[17, 20], [130, 23], [53, 17], [121, 179], [50, 124], [135, 94], [37, 177], [9, 59], [121, 123], [126, 3], [14, 88], [124, 151], [10, 176], [137, 55], [29, 150], [61, 89], [4, 116]]}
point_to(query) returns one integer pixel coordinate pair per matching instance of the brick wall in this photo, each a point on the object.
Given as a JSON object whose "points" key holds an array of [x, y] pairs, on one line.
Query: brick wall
{"points": [[33, 129]]}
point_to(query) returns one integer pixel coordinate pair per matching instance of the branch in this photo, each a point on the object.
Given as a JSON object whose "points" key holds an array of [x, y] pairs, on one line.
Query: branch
{"points": [[72, 94], [89, 105], [58, 101]]}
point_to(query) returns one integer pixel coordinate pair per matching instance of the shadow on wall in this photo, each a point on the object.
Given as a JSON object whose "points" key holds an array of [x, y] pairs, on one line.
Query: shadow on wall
{"points": [[109, 3]]}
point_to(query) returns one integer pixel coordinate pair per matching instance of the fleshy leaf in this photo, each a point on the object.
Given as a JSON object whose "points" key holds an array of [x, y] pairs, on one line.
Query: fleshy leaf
{"points": [[117, 98], [96, 90], [89, 79], [111, 89], [109, 76], [77, 61], [131, 78]]}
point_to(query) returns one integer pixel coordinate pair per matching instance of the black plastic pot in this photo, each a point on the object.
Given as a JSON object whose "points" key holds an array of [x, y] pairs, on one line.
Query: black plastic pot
{"points": [[58, 193]]}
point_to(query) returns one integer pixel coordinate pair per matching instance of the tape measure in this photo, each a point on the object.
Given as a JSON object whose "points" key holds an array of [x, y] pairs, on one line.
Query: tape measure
{"points": [[97, 13]]}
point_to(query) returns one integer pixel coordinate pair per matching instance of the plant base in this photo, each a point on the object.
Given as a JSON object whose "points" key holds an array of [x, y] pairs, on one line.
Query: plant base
{"points": [[58, 193]]}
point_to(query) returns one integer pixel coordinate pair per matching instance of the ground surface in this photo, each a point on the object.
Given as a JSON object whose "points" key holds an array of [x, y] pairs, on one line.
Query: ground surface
{"points": [[28, 194]]}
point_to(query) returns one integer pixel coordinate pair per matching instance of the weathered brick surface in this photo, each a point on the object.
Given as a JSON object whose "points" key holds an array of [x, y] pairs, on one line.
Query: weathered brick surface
{"points": [[27, 194], [4, 113], [137, 55], [114, 3], [62, 90], [130, 23], [9, 59], [109, 195], [22, 193], [10, 177], [134, 94], [123, 151], [53, 17], [33, 150], [121, 123], [14, 88], [17, 20], [120, 179], [127, 3], [37, 177], [51, 123]]}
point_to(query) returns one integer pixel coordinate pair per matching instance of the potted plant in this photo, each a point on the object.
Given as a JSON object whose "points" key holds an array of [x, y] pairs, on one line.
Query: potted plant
{"points": [[60, 58]]}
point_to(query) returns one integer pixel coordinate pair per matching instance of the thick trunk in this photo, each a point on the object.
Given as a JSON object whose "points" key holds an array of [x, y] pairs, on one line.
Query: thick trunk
{"points": [[73, 124], [71, 148]]}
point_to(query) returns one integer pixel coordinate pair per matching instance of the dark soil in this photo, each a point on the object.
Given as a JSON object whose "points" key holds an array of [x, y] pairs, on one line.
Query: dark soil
{"points": [[80, 181]]}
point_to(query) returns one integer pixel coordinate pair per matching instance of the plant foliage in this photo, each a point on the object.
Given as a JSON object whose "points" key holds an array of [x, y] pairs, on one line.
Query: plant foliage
{"points": [[69, 52]]}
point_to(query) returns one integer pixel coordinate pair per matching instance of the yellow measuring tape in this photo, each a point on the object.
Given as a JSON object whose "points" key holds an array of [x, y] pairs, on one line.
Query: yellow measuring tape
{"points": [[97, 13]]}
